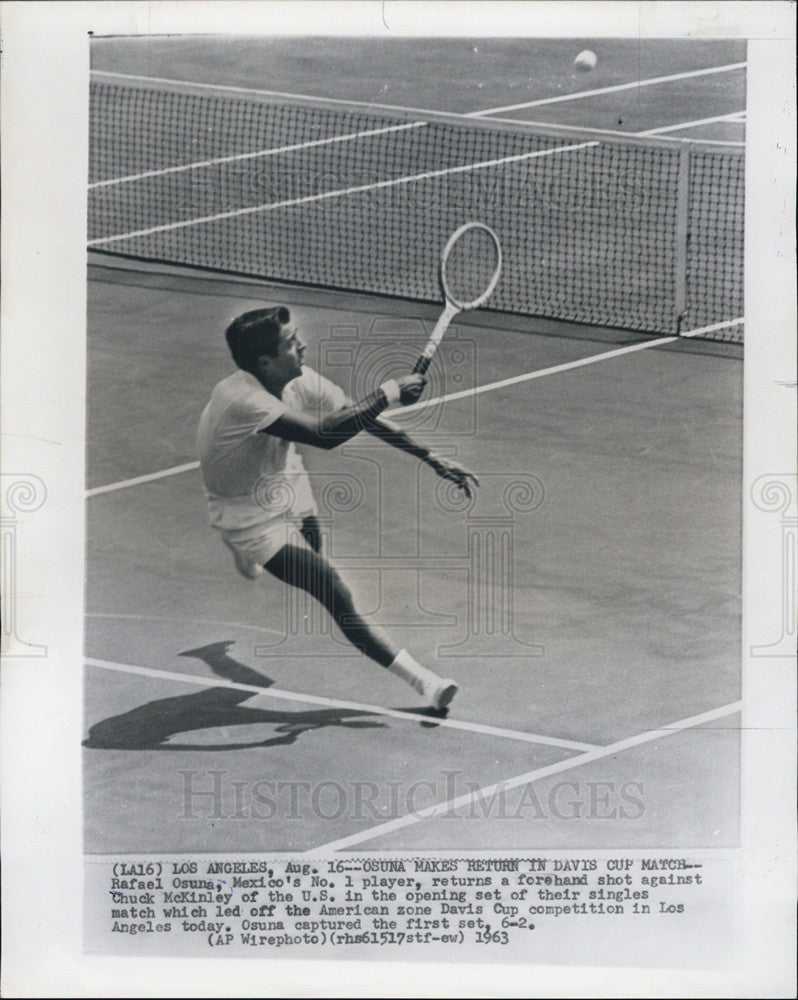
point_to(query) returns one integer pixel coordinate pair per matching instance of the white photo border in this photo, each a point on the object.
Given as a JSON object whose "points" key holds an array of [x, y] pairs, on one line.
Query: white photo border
{"points": [[45, 56]]}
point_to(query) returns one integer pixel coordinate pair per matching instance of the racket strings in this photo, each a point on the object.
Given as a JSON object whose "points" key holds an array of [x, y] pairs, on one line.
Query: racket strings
{"points": [[470, 266]]}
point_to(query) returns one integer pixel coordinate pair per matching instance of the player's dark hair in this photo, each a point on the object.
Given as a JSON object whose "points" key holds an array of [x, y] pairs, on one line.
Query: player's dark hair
{"points": [[255, 333]]}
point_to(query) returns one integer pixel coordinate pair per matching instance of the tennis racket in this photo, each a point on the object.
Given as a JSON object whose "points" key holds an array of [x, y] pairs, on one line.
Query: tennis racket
{"points": [[471, 263]]}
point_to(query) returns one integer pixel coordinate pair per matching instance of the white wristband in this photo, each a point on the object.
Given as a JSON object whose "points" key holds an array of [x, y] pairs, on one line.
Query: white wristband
{"points": [[391, 391]]}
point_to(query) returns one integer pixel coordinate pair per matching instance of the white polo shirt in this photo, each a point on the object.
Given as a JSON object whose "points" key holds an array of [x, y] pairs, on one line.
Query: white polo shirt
{"points": [[253, 479]]}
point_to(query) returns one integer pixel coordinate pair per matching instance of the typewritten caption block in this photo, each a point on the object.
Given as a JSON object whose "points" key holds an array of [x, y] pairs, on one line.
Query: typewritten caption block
{"points": [[635, 906]]}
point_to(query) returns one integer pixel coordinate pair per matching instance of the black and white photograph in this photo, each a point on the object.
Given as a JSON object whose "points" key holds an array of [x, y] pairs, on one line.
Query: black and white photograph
{"points": [[352, 590], [419, 476]]}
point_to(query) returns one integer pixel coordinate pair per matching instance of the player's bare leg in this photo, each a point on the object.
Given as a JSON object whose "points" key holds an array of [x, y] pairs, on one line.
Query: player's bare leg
{"points": [[309, 571]]}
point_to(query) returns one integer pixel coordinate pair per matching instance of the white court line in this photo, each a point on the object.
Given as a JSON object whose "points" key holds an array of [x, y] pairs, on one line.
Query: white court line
{"points": [[608, 90], [346, 104], [271, 692], [290, 203], [617, 132], [715, 326], [566, 366], [175, 469], [540, 373], [184, 621], [441, 808], [256, 155], [384, 107], [397, 107], [734, 118], [475, 391]]}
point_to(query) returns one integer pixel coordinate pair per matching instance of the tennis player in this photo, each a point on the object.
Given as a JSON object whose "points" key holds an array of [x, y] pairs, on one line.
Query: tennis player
{"points": [[259, 495]]}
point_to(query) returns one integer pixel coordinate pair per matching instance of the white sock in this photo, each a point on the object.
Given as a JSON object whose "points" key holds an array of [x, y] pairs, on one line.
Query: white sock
{"points": [[410, 670]]}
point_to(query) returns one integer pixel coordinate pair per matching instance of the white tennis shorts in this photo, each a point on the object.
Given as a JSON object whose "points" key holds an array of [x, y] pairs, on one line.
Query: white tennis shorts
{"points": [[257, 545]]}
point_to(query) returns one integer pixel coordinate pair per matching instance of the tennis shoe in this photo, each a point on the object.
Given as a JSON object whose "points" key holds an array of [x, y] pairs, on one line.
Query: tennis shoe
{"points": [[249, 570], [439, 692]]}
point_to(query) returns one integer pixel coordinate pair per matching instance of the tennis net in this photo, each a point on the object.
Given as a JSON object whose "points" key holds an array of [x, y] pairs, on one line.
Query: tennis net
{"points": [[643, 234]]}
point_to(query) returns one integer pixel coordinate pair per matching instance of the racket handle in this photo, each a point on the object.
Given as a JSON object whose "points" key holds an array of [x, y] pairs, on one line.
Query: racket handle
{"points": [[425, 358]]}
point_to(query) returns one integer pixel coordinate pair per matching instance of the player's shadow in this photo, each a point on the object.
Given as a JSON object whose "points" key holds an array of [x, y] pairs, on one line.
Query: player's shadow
{"points": [[152, 726]]}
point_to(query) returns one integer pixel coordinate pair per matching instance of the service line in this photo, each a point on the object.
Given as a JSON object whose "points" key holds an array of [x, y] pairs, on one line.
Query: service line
{"points": [[462, 394], [607, 90]]}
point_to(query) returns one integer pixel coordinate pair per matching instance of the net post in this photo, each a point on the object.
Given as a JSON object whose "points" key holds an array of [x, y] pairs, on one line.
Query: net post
{"points": [[682, 235]]}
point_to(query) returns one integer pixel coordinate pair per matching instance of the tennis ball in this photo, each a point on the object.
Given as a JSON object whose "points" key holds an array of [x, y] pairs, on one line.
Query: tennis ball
{"points": [[585, 61]]}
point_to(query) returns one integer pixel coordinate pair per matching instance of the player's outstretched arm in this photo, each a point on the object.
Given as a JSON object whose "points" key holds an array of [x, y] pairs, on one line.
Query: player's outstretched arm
{"points": [[446, 468], [336, 428]]}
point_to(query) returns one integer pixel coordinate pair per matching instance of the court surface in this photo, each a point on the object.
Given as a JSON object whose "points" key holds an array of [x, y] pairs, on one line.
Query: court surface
{"points": [[588, 602]]}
